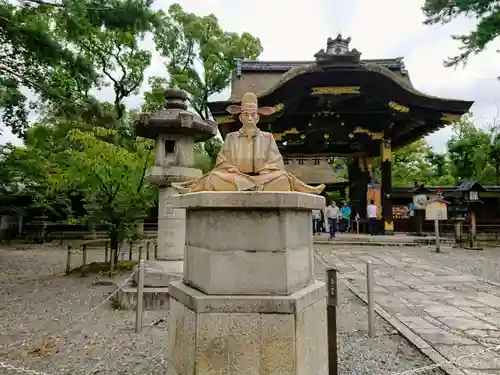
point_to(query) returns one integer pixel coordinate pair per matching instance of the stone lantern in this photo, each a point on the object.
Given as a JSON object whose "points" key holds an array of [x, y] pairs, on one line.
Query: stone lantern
{"points": [[175, 130]]}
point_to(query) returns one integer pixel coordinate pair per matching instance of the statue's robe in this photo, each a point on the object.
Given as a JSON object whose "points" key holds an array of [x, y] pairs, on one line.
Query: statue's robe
{"points": [[248, 161]]}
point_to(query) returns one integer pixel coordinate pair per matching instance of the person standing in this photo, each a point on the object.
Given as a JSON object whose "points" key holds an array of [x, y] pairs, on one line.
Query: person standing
{"points": [[345, 213], [332, 214], [371, 213], [316, 215]]}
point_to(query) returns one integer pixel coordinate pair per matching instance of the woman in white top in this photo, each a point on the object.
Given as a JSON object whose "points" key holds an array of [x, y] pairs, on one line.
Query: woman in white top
{"points": [[371, 213], [316, 214]]}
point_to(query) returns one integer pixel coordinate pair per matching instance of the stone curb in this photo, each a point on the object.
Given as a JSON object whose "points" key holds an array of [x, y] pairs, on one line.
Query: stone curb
{"points": [[365, 243], [411, 336]]}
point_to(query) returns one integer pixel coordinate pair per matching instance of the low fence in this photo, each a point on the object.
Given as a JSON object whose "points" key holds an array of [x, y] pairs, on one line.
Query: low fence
{"points": [[39, 232], [99, 251]]}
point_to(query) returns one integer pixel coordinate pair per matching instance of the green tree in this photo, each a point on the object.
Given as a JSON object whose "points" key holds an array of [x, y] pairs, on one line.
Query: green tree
{"points": [[111, 179], [154, 100], [200, 55], [212, 148], [120, 61], [409, 164], [439, 162], [468, 150], [494, 156], [42, 50], [29, 170], [487, 13]]}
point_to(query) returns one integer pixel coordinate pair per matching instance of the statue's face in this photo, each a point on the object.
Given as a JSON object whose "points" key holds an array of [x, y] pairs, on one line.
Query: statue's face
{"points": [[249, 118]]}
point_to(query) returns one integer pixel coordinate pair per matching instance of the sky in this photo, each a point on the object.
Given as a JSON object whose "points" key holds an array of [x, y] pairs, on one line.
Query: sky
{"points": [[296, 30]]}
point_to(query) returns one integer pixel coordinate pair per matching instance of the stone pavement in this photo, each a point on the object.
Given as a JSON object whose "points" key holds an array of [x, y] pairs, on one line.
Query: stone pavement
{"points": [[399, 239], [455, 314]]}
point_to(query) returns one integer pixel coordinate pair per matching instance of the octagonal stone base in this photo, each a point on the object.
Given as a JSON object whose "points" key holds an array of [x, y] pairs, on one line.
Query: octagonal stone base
{"points": [[249, 243], [253, 335]]}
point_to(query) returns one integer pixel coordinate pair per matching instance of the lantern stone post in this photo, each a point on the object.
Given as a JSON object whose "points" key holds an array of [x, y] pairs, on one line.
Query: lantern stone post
{"points": [[175, 130]]}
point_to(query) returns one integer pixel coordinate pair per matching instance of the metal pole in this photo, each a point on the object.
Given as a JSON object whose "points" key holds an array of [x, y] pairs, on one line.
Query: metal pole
{"points": [[369, 293], [436, 231], [331, 311], [140, 298]]}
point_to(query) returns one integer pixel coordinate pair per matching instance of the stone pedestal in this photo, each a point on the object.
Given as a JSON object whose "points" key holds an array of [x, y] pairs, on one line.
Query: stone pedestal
{"points": [[171, 227], [275, 335], [248, 302]]}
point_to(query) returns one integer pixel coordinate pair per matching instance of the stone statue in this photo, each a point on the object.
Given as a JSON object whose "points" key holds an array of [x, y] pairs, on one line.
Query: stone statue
{"points": [[249, 159]]}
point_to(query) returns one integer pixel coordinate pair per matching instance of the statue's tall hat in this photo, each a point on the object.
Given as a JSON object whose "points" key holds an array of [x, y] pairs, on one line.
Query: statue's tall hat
{"points": [[249, 102]]}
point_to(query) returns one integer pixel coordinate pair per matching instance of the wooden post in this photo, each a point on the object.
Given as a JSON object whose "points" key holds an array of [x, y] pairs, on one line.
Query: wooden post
{"points": [[112, 265], [369, 296], [140, 298], [473, 229], [130, 250], [106, 252], [68, 260], [458, 233], [386, 185], [331, 320], [436, 231], [84, 254], [140, 252], [358, 189]]}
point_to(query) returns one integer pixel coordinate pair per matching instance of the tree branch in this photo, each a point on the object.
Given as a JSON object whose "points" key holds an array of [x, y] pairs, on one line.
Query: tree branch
{"points": [[103, 185], [141, 182]]}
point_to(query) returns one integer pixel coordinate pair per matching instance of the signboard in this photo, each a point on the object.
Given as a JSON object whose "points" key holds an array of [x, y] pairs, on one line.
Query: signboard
{"points": [[473, 195], [436, 210], [332, 291], [419, 201]]}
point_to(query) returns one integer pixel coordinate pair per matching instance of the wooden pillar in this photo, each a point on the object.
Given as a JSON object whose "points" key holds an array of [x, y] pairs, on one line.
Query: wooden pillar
{"points": [[363, 188], [372, 178], [358, 181], [386, 185], [342, 193], [473, 228]]}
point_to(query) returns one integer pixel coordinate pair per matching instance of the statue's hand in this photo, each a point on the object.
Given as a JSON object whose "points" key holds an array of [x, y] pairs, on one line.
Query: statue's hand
{"points": [[264, 171], [232, 170]]}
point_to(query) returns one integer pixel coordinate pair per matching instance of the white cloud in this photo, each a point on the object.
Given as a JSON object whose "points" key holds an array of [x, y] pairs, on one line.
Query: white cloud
{"points": [[295, 30]]}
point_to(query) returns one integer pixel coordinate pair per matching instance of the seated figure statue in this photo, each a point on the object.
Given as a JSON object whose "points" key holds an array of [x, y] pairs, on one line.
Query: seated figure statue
{"points": [[249, 159]]}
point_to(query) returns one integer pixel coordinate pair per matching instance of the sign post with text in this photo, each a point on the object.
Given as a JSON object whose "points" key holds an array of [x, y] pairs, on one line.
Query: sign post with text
{"points": [[436, 209], [332, 298]]}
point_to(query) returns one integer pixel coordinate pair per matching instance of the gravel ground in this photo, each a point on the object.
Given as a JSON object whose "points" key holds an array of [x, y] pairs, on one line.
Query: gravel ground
{"points": [[47, 323]]}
